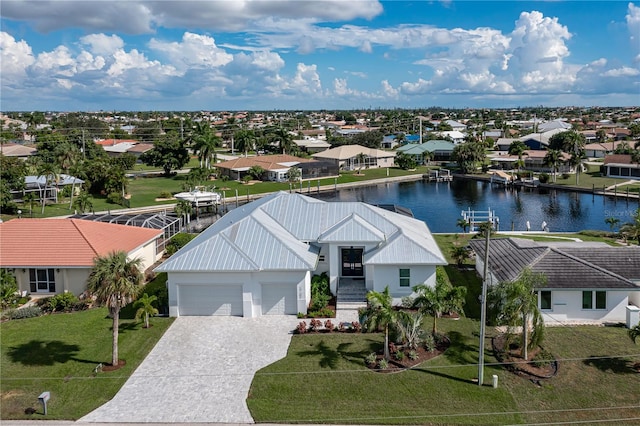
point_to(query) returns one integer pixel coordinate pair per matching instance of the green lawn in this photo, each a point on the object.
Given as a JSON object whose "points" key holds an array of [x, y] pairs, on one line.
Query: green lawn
{"points": [[323, 379], [58, 353]]}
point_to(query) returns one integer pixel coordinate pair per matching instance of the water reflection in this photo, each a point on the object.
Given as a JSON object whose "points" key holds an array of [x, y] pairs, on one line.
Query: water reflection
{"points": [[440, 204]]}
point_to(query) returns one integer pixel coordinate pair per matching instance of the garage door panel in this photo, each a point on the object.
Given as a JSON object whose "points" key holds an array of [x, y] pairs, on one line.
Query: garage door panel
{"points": [[207, 300], [279, 299]]}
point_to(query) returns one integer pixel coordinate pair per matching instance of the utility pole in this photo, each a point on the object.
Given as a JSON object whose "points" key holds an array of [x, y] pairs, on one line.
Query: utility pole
{"points": [[483, 307]]}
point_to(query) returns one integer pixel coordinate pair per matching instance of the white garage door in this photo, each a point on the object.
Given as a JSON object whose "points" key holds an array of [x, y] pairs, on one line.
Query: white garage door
{"points": [[206, 300], [279, 299]]}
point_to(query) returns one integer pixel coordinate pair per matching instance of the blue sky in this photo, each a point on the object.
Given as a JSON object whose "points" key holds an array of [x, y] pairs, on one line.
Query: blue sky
{"points": [[308, 55]]}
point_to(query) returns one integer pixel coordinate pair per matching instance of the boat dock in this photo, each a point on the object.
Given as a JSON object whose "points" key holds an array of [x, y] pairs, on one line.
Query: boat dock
{"points": [[442, 175]]}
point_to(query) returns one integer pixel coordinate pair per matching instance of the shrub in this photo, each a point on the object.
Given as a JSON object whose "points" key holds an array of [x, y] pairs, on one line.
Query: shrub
{"points": [[566, 176], [63, 302], [302, 327], [319, 302], [542, 359], [81, 305], [315, 324], [413, 355], [114, 198], [430, 343], [322, 313], [407, 302], [300, 315], [371, 358], [26, 312], [393, 348], [158, 288], [166, 194], [320, 291], [543, 178], [177, 242], [8, 289], [399, 355], [383, 364], [356, 326], [328, 325]]}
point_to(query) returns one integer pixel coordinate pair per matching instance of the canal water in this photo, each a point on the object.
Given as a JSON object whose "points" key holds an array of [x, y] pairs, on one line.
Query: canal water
{"points": [[440, 204]]}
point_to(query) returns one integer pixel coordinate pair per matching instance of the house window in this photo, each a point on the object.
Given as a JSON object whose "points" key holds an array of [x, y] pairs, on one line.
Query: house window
{"points": [[545, 300], [42, 280], [589, 297], [405, 277]]}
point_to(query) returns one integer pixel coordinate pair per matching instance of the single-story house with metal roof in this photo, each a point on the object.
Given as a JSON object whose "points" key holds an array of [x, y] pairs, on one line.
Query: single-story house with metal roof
{"points": [[259, 258], [52, 256], [346, 157], [586, 282], [276, 167], [441, 150]]}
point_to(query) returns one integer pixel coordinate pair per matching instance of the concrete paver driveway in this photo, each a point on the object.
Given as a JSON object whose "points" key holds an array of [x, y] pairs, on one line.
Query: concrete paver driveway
{"points": [[200, 371]]}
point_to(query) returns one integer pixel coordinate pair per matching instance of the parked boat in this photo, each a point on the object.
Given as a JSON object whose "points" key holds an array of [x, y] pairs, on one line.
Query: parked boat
{"points": [[199, 197]]}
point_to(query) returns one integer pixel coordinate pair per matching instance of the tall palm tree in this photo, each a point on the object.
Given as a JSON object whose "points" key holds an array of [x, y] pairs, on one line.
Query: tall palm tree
{"points": [[285, 140], [115, 281], [463, 224], [50, 172], [553, 159], [519, 149], [380, 313], [183, 209], [440, 299], [244, 140], [204, 143], [516, 303]]}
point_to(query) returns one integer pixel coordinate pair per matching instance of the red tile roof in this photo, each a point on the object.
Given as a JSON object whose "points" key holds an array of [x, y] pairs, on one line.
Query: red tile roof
{"points": [[617, 159], [113, 142], [65, 242]]}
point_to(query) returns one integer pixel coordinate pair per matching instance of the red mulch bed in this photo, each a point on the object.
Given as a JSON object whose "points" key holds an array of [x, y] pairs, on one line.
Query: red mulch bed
{"points": [[111, 367], [514, 361], [396, 365]]}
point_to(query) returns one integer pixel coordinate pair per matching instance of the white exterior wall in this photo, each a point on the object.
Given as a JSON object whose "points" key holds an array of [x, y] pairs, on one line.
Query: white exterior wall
{"points": [[251, 283], [385, 162], [384, 275], [70, 280], [566, 306], [147, 253]]}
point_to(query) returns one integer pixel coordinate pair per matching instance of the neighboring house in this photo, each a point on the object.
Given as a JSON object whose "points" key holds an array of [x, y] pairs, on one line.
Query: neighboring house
{"points": [[600, 150], [52, 256], [557, 124], [259, 258], [586, 282], [621, 166], [312, 145], [45, 188], [16, 150], [441, 150], [455, 135], [533, 161], [456, 125], [345, 157], [276, 167], [540, 141]]}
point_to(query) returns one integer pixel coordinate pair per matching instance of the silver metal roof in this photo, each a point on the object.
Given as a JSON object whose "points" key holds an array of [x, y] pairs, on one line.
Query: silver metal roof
{"points": [[282, 231]]}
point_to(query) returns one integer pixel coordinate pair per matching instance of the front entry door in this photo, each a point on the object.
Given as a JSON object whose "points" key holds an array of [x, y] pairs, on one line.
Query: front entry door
{"points": [[352, 262]]}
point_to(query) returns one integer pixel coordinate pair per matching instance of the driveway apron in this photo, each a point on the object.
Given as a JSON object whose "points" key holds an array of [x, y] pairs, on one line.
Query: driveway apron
{"points": [[199, 371]]}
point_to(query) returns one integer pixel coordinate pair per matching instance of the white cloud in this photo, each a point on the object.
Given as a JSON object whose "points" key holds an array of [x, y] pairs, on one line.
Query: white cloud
{"points": [[15, 57], [622, 72], [388, 90], [102, 44], [194, 51]]}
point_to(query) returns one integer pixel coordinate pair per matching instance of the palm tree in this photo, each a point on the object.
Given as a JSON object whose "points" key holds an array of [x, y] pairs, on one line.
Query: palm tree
{"points": [[145, 308], [115, 281], [50, 172], [183, 210], [518, 148], [205, 142], [380, 313], [516, 303], [83, 202], [553, 159], [612, 222], [463, 224], [440, 299], [285, 140], [361, 158], [632, 229], [244, 140], [459, 254], [256, 172]]}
